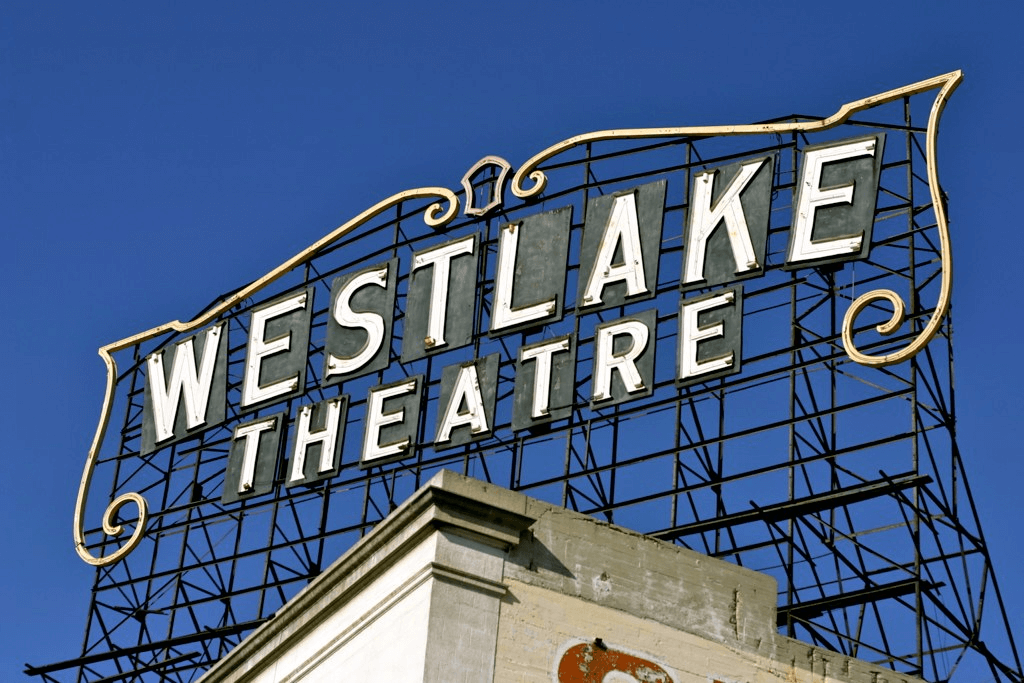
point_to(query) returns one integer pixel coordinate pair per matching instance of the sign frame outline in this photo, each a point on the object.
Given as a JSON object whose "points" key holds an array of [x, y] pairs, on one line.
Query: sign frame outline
{"points": [[440, 213]]}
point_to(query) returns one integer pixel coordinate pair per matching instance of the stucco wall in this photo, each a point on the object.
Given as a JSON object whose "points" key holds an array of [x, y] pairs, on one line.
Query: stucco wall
{"points": [[470, 583]]}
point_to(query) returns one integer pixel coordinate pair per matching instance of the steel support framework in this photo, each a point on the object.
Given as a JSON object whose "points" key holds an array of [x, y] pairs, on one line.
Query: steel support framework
{"points": [[843, 482]]}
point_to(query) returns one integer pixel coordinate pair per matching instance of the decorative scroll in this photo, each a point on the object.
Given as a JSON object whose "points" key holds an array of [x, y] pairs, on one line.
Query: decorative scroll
{"points": [[436, 215], [498, 185], [441, 214], [946, 84]]}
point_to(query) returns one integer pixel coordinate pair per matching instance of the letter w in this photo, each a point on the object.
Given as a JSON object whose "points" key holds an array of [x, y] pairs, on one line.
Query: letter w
{"points": [[185, 381]]}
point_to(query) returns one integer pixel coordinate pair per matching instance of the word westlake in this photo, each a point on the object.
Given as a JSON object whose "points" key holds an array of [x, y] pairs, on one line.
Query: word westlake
{"points": [[724, 241]]}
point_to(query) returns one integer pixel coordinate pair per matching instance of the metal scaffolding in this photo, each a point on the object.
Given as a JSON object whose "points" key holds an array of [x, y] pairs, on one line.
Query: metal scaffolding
{"points": [[843, 482]]}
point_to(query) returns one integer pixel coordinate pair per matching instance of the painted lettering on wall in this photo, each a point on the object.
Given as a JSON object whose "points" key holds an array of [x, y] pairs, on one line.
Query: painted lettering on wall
{"points": [[596, 663]]}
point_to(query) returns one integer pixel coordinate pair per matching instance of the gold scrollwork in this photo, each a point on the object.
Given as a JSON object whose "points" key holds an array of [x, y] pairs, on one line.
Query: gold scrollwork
{"points": [[497, 196], [946, 84], [945, 255], [436, 215]]}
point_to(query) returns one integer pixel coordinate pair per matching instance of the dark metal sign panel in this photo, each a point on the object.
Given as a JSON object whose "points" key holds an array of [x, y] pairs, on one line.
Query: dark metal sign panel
{"points": [[701, 333], [710, 330], [441, 303], [834, 208], [623, 359], [187, 390], [359, 323], [253, 460], [278, 345], [392, 421], [529, 282], [544, 382], [726, 233], [621, 243], [466, 402], [317, 442]]}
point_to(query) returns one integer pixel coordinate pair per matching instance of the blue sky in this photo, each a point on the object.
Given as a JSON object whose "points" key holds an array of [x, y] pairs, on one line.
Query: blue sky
{"points": [[154, 157]]}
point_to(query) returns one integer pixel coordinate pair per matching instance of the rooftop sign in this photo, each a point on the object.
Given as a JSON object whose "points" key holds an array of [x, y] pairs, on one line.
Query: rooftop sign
{"points": [[510, 317]]}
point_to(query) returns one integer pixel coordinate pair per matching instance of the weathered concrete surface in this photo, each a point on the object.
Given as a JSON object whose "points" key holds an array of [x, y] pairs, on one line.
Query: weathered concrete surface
{"points": [[417, 599], [468, 582], [538, 626], [581, 557]]}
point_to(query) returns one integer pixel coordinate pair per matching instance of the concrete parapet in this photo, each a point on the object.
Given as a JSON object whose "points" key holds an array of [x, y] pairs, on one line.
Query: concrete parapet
{"points": [[467, 581]]}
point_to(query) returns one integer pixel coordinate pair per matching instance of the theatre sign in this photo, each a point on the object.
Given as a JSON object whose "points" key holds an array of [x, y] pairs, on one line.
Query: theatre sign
{"points": [[387, 345]]}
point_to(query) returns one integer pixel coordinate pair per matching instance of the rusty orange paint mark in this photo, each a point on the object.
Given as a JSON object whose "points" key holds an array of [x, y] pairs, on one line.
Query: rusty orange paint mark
{"points": [[588, 663]]}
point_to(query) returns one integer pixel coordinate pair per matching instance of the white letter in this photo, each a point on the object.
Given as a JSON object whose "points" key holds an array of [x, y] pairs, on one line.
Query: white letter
{"points": [[542, 373], [503, 315], [441, 258], [623, 227], [373, 323], [326, 437], [260, 348], [184, 379], [376, 418], [704, 220], [250, 433], [606, 361], [690, 332], [813, 197], [466, 390]]}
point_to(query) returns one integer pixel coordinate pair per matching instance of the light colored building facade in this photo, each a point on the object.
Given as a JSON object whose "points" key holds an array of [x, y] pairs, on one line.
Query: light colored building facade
{"points": [[467, 582]]}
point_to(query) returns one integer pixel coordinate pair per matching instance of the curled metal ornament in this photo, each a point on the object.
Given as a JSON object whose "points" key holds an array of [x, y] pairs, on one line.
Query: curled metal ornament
{"points": [[110, 527], [436, 215], [946, 83], [886, 328], [945, 255], [537, 177]]}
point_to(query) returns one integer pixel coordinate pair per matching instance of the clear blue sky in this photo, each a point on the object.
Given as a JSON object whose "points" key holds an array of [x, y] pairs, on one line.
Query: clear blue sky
{"points": [[152, 157]]}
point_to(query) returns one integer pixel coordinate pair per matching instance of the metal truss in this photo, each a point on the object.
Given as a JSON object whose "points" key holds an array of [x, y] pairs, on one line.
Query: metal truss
{"points": [[843, 482]]}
